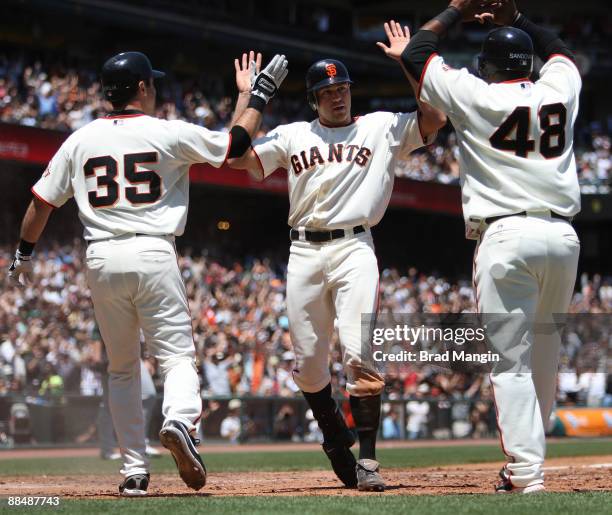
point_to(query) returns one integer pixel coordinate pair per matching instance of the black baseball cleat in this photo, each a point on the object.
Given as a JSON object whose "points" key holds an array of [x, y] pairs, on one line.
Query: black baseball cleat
{"points": [[175, 437], [342, 459], [134, 486]]}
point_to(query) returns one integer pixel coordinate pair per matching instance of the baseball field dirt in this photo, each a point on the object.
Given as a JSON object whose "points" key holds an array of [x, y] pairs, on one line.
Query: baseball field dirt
{"points": [[575, 474], [453, 478]]}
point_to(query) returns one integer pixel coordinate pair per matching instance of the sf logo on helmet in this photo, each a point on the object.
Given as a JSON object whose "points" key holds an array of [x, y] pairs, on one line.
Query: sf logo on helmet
{"points": [[331, 70]]}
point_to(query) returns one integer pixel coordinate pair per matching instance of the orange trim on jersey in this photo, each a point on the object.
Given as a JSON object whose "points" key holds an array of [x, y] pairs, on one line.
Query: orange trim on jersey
{"points": [[200, 415], [501, 436], [112, 117], [263, 172], [418, 96], [191, 319], [562, 55], [512, 81], [229, 145], [475, 285], [419, 117], [474, 281], [42, 199]]}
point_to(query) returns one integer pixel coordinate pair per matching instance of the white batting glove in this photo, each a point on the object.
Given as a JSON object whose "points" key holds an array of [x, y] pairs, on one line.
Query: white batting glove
{"points": [[268, 80], [20, 267], [254, 72]]}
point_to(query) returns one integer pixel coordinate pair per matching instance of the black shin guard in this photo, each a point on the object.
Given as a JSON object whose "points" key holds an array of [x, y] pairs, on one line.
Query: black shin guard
{"points": [[366, 413], [337, 438], [326, 412]]}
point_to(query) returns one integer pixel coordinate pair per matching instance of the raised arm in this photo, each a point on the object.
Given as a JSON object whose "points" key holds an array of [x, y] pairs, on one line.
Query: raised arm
{"points": [[246, 73], [430, 118], [546, 43], [263, 88], [425, 42]]}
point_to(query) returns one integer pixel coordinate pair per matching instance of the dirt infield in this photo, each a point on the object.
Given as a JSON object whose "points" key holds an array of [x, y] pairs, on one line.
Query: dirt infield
{"points": [[579, 474]]}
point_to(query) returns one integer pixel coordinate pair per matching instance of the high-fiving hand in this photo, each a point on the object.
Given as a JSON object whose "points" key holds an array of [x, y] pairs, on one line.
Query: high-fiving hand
{"points": [[268, 81], [247, 70], [398, 40], [501, 12], [471, 9]]}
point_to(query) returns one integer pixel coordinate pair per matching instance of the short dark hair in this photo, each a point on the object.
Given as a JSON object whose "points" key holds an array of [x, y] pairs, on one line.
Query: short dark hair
{"points": [[121, 104], [505, 75]]}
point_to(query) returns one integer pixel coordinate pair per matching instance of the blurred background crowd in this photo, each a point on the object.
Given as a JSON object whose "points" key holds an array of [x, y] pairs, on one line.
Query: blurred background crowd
{"points": [[55, 96], [49, 342]]}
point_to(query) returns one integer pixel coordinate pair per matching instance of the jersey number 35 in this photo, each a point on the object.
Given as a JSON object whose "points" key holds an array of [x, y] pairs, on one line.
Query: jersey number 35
{"points": [[552, 139], [134, 176]]}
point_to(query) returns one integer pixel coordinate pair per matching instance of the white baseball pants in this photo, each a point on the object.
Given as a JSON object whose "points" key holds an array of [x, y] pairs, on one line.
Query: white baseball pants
{"points": [[136, 284], [526, 265], [327, 281]]}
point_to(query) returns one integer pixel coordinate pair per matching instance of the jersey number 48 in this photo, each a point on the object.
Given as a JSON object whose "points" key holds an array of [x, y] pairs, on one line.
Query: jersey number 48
{"points": [[134, 176], [552, 139]]}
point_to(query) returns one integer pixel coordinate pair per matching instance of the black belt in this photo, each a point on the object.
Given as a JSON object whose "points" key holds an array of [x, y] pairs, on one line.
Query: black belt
{"points": [[322, 236], [492, 219]]}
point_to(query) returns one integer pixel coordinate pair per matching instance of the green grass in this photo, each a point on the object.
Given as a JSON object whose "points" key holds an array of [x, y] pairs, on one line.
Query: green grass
{"points": [[298, 460], [570, 503]]}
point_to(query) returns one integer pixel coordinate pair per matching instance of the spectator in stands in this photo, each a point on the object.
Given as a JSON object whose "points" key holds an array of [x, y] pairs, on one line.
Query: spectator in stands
{"points": [[238, 310], [216, 365], [52, 384], [231, 426], [591, 387], [285, 424], [313, 432], [284, 376], [417, 413], [69, 372], [390, 423]]}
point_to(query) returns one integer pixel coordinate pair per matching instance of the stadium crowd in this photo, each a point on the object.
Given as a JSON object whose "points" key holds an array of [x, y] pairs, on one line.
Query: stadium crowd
{"points": [[49, 343], [54, 96]]}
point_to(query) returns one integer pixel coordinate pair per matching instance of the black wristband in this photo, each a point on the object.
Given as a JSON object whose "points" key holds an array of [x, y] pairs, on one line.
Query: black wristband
{"points": [[26, 248], [257, 103], [449, 17]]}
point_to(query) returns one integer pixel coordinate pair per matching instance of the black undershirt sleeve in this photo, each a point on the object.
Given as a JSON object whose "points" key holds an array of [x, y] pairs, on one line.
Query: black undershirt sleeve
{"points": [[422, 45], [241, 141], [546, 43]]}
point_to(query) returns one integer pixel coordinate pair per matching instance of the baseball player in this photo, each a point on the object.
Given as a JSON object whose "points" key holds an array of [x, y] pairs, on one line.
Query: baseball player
{"points": [[340, 175], [129, 175], [520, 192]]}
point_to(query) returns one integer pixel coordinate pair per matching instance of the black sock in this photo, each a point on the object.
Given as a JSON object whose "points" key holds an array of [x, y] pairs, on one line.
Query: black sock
{"points": [[366, 413], [325, 412]]}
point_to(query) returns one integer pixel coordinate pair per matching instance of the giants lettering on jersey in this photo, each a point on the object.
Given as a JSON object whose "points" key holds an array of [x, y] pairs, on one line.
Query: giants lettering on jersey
{"points": [[334, 153]]}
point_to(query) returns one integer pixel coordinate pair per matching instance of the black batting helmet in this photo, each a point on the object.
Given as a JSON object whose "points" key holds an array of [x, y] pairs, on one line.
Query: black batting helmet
{"points": [[122, 73], [506, 49], [324, 73]]}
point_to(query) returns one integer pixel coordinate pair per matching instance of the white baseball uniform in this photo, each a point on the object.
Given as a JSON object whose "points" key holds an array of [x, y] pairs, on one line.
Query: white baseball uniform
{"points": [[339, 178], [516, 155], [129, 175]]}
